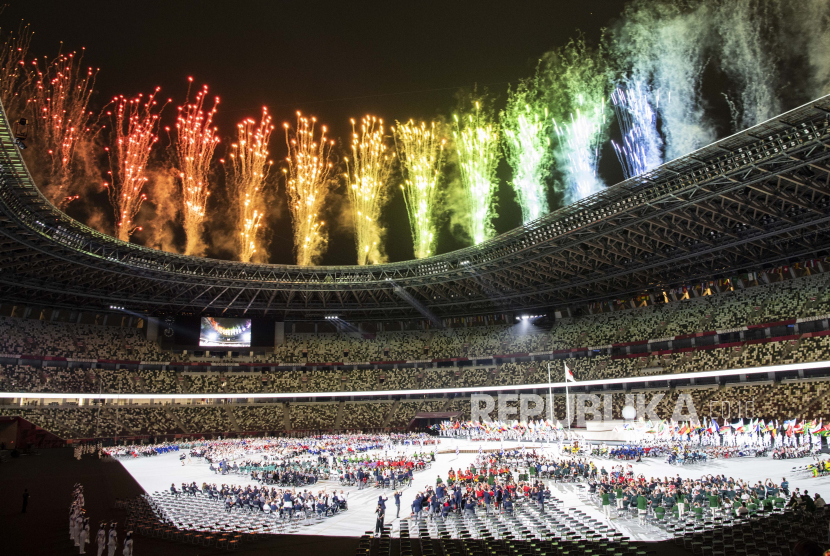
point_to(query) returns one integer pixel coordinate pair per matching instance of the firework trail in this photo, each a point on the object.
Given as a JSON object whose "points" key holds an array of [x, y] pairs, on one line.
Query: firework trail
{"points": [[579, 141], [574, 80], [59, 105], [14, 76], [134, 123], [367, 179], [246, 178], [308, 181], [421, 154], [194, 145], [641, 146], [477, 145], [527, 129], [749, 52], [663, 45], [812, 24]]}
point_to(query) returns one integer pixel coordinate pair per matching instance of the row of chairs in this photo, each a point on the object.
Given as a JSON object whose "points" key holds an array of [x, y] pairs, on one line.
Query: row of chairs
{"points": [[768, 535], [552, 529]]}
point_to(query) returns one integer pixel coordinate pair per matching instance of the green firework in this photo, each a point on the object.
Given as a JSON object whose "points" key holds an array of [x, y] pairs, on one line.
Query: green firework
{"points": [[527, 128], [477, 145]]}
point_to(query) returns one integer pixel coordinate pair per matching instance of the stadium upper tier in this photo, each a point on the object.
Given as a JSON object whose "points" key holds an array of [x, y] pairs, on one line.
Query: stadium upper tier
{"points": [[792, 307], [755, 198]]}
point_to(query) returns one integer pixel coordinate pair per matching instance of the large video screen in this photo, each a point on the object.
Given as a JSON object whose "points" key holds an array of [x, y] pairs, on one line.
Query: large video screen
{"points": [[232, 333]]}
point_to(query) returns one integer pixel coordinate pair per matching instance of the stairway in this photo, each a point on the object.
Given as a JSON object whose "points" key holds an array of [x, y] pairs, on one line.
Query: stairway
{"points": [[175, 418], [341, 409], [286, 416], [113, 414], [232, 419], [391, 413], [184, 384]]}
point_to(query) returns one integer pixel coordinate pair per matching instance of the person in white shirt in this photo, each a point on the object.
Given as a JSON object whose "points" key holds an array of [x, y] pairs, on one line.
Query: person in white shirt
{"points": [[79, 524], [128, 544], [112, 543], [101, 539]]}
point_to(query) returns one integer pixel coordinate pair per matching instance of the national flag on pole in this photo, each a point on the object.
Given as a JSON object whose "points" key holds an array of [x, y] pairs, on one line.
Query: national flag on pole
{"points": [[569, 376]]}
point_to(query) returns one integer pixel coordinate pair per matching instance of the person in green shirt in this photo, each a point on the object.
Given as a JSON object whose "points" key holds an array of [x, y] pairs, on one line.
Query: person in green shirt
{"points": [[606, 504], [619, 494], [642, 507], [714, 502]]}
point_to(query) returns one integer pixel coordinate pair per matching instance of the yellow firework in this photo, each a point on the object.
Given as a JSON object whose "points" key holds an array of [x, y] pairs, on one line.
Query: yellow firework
{"points": [[421, 153], [308, 181], [246, 178], [195, 142], [367, 177]]}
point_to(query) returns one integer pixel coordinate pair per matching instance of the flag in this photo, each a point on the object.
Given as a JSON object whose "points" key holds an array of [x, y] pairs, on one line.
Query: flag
{"points": [[569, 376]]}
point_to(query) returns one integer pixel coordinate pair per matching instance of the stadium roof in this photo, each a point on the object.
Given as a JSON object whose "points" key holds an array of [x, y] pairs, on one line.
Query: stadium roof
{"points": [[759, 197]]}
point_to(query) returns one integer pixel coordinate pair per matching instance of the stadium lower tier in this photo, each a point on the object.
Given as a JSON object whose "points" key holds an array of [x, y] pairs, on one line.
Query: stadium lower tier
{"points": [[797, 399]]}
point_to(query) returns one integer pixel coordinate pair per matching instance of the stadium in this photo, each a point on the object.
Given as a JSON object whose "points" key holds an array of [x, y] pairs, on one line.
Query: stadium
{"points": [[521, 395]]}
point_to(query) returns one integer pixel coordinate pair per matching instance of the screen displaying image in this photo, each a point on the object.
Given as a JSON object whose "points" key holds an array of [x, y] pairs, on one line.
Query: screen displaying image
{"points": [[225, 332]]}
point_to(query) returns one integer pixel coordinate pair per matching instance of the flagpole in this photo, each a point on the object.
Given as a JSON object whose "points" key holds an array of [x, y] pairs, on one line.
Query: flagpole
{"points": [[567, 398], [550, 398]]}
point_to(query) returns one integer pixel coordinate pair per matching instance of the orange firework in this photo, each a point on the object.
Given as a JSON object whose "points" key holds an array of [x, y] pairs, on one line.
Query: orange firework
{"points": [[195, 143], [59, 104], [134, 123], [246, 179], [308, 180], [14, 77]]}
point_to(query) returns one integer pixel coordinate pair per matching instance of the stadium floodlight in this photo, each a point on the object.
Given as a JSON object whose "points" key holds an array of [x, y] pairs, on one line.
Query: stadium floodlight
{"points": [[529, 317]]}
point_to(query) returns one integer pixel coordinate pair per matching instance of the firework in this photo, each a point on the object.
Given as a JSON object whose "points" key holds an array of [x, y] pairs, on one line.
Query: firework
{"points": [[194, 145], [14, 77], [59, 104], [308, 181], [246, 178], [477, 144], [664, 46], [134, 124], [751, 46], [527, 146], [574, 78], [639, 151], [421, 154], [367, 178], [579, 141]]}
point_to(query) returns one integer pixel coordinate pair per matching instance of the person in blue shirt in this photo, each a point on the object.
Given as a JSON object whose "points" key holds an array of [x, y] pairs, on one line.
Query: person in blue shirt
{"points": [[398, 503], [470, 507], [416, 506]]}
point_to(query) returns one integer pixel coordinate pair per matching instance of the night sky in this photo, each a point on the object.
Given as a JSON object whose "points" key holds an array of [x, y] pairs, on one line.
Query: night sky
{"points": [[332, 60]]}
